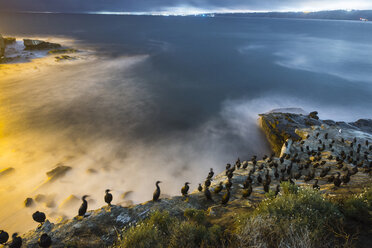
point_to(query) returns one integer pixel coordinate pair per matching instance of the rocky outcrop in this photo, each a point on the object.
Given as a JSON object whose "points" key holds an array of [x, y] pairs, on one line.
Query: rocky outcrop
{"points": [[2, 47], [281, 126], [295, 136], [9, 40], [39, 45]]}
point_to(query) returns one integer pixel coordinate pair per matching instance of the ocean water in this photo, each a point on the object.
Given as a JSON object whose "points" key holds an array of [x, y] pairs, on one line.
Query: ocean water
{"points": [[163, 98]]}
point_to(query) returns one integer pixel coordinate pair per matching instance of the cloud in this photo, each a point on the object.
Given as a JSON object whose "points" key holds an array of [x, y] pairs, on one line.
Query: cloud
{"points": [[179, 6]]}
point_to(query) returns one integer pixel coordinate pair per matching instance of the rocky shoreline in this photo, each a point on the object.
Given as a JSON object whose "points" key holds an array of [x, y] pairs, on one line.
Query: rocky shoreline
{"points": [[307, 151], [14, 51]]}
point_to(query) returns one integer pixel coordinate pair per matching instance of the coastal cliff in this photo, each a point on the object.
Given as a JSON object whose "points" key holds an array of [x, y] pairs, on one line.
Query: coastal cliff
{"points": [[306, 150]]}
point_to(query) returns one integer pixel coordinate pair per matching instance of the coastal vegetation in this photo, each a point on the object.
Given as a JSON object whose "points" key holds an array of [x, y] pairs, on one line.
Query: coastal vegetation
{"points": [[296, 217]]}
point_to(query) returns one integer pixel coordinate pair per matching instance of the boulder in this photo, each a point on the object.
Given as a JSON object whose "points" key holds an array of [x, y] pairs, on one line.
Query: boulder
{"points": [[57, 172], [2, 47], [6, 171], [9, 40], [39, 45]]}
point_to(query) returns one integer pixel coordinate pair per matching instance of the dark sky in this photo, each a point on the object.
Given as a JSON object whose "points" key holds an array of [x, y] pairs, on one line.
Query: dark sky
{"points": [[180, 6]]}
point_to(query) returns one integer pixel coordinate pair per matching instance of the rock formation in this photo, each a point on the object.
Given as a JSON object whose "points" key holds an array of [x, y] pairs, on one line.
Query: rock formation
{"points": [[39, 45]]}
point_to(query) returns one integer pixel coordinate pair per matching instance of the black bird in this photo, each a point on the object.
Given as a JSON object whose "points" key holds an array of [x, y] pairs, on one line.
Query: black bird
{"points": [[245, 165], [200, 188], [39, 217], [277, 190], [315, 185], [266, 187], [354, 170], [108, 197], [4, 236], [259, 179], [84, 206], [44, 241], [276, 174], [16, 241], [228, 166], [210, 174], [331, 179], [208, 194], [185, 189], [219, 188], [228, 185], [207, 183], [156, 194], [248, 191], [337, 180], [346, 178], [226, 197]]}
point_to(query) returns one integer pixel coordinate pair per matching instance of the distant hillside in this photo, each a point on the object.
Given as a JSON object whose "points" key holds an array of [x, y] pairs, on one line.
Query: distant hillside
{"points": [[334, 15]]}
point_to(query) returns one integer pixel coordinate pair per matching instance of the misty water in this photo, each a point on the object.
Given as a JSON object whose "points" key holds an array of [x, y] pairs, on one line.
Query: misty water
{"points": [[163, 98]]}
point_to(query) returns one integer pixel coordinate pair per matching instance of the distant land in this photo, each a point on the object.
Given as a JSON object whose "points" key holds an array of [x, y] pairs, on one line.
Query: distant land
{"points": [[331, 14]]}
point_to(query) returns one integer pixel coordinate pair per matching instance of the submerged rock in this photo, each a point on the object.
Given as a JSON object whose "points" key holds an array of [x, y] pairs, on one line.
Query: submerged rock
{"points": [[39, 45], [58, 172], [28, 202], [6, 171]]}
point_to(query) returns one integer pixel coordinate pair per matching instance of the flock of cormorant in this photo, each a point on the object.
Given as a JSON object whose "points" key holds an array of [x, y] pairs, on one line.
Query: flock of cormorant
{"points": [[285, 168]]}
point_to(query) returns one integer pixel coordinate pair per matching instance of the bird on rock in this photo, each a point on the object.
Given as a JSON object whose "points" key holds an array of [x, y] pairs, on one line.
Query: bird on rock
{"points": [[44, 241], [156, 194], [185, 189], [108, 197], [39, 217], [84, 206], [4, 236], [16, 241]]}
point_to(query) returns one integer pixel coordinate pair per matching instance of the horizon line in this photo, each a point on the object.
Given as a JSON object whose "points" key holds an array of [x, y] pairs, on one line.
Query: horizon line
{"points": [[191, 13]]}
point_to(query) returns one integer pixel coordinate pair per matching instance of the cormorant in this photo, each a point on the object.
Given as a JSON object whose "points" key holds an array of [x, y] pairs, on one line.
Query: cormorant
{"points": [[337, 180], [207, 183], [156, 194], [219, 188], [210, 174], [39, 217], [331, 179], [346, 178], [228, 166], [16, 241], [4, 236], [228, 185], [277, 190], [44, 241], [208, 194], [84, 206], [245, 165], [185, 189], [266, 187], [354, 170], [247, 192], [226, 197], [200, 188], [259, 179], [108, 197], [315, 185]]}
